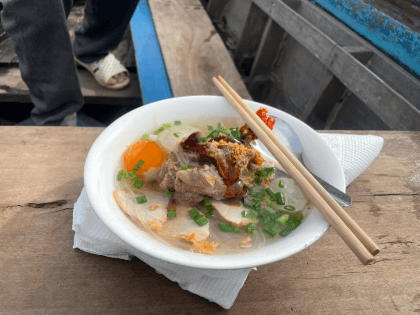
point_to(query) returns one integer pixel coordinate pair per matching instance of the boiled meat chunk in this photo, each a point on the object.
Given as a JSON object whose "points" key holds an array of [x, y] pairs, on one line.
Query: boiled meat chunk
{"points": [[199, 181]]}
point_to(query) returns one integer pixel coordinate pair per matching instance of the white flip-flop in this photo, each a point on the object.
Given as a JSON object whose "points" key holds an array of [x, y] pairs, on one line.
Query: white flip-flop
{"points": [[105, 68]]}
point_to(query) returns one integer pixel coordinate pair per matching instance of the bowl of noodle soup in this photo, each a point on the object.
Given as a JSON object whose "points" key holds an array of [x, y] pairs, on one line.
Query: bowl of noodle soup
{"points": [[104, 161]]}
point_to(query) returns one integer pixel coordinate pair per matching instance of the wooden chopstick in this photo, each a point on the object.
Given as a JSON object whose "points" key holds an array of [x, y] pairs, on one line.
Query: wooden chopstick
{"points": [[352, 225], [263, 133]]}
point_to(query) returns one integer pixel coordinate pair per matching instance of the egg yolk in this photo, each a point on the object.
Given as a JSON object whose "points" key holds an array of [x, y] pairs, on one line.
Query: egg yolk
{"points": [[147, 151]]}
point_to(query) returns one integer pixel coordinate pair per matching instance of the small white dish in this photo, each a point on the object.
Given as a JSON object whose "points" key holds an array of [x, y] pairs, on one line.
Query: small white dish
{"points": [[104, 156]]}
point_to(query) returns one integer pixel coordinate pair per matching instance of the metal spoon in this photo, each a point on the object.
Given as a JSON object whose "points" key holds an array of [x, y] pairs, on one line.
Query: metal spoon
{"points": [[290, 139]]}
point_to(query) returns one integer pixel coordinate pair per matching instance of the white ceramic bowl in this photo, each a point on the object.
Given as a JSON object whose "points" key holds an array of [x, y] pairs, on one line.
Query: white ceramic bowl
{"points": [[104, 156]]}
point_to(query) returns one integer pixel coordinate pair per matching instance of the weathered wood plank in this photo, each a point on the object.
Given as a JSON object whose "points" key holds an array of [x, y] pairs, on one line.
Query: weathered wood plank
{"points": [[381, 65], [382, 29], [250, 39], [13, 89], [271, 42], [192, 49], [329, 90], [390, 106], [42, 274], [411, 6]]}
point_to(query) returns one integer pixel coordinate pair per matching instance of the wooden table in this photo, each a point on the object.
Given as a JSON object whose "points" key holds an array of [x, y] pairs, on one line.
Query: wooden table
{"points": [[40, 272]]}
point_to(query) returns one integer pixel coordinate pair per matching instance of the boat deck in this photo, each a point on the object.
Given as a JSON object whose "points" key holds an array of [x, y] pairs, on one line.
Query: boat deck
{"points": [[188, 56], [289, 54]]}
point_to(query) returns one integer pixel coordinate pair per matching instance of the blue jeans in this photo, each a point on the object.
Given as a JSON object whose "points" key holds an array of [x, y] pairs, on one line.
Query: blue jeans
{"points": [[46, 57]]}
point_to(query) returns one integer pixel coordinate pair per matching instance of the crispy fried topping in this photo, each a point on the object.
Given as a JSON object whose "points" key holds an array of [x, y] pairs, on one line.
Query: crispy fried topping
{"points": [[205, 247]]}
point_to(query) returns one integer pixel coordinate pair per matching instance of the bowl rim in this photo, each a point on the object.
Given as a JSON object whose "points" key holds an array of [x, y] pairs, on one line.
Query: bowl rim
{"points": [[206, 262]]}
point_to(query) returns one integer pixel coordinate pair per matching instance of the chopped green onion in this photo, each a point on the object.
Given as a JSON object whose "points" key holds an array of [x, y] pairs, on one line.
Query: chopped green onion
{"points": [[209, 211], [145, 137], [210, 128], [152, 182], [269, 210], [280, 198], [257, 204], [177, 122], [204, 139], [250, 228], [267, 200], [270, 194], [138, 183], [257, 179], [194, 213], [267, 171], [169, 192], [125, 174], [272, 228], [291, 224], [161, 129], [247, 171], [246, 205], [141, 199], [120, 175], [156, 132], [290, 208], [138, 165], [133, 176], [186, 167], [225, 132], [283, 219], [294, 223], [269, 232], [176, 135], [267, 218], [209, 208], [249, 214], [171, 213], [219, 125], [276, 215], [225, 227], [201, 220], [281, 184], [236, 133], [257, 207], [236, 230], [254, 190], [166, 125], [285, 231]]}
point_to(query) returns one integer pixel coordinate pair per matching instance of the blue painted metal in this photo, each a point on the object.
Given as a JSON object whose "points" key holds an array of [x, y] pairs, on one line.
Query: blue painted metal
{"points": [[154, 81], [383, 31]]}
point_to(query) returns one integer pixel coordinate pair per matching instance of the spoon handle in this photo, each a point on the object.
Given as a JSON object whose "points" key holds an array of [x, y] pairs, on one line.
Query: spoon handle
{"points": [[341, 198]]}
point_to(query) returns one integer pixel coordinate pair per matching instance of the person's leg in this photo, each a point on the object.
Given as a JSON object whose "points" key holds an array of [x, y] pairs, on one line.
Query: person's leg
{"points": [[39, 31], [103, 27]]}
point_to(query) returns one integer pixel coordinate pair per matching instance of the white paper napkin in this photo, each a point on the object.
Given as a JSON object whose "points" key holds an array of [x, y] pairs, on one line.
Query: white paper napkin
{"points": [[355, 154]]}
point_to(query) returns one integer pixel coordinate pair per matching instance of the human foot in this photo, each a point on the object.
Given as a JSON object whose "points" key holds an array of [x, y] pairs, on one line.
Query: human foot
{"points": [[108, 72]]}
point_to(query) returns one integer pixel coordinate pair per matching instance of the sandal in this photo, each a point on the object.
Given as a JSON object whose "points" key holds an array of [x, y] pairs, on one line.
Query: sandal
{"points": [[104, 69]]}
